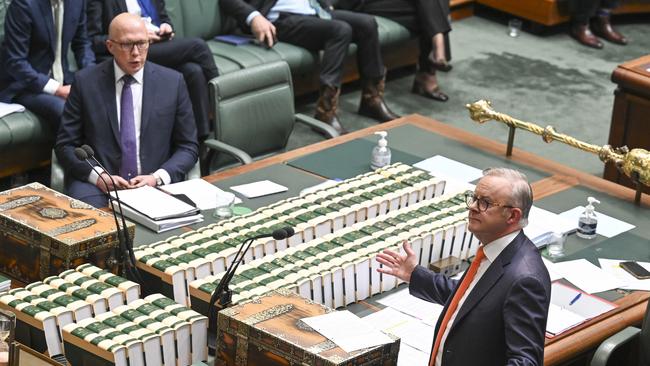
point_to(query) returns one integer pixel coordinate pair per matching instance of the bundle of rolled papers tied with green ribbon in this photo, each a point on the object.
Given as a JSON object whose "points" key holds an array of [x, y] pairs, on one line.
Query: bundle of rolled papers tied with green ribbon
{"points": [[94, 317], [330, 259]]}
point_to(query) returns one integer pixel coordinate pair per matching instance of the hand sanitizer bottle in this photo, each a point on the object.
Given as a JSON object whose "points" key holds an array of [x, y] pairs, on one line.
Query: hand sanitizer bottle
{"points": [[588, 221], [380, 153]]}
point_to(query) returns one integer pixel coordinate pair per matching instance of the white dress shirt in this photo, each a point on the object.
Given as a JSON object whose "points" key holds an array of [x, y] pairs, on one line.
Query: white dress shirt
{"points": [[136, 92], [492, 251], [284, 6]]}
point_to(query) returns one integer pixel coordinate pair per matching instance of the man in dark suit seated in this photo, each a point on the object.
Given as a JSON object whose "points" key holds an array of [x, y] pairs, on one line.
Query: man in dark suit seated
{"points": [[496, 314], [189, 56], [135, 114], [314, 26], [34, 68]]}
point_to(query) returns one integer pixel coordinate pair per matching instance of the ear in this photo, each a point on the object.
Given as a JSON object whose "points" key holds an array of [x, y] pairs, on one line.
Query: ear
{"points": [[109, 46], [515, 216]]}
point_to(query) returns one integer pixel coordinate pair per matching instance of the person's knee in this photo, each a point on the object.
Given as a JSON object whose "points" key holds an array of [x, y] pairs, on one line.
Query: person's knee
{"points": [[192, 72], [367, 26], [341, 30]]}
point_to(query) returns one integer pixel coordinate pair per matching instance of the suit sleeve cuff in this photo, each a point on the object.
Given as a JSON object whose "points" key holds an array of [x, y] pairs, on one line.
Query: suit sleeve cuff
{"points": [[250, 17], [51, 86], [94, 177], [163, 175]]}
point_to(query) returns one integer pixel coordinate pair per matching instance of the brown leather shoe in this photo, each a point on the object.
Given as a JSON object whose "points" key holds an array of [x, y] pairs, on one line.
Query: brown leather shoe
{"points": [[603, 28], [426, 85], [326, 108], [372, 103], [583, 34]]}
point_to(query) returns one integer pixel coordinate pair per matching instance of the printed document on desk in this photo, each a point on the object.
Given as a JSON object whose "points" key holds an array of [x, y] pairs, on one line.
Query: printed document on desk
{"points": [[160, 226], [607, 226], [427, 312], [570, 307], [542, 224], [410, 330], [155, 204], [588, 277], [441, 166], [259, 189], [202, 193]]}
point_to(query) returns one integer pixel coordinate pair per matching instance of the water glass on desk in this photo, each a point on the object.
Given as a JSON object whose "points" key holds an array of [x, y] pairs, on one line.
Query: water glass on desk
{"points": [[225, 201], [514, 27], [556, 245]]}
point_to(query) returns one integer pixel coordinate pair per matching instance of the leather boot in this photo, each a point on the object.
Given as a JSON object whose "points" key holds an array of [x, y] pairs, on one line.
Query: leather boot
{"points": [[326, 108], [372, 101], [603, 28], [583, 34], [426, 85]]}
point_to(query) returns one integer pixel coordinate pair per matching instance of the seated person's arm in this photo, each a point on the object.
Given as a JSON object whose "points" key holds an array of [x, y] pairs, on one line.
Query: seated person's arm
{"points": [[96, 29]]}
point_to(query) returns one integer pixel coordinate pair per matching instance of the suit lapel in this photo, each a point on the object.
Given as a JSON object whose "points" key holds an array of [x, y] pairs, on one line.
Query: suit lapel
{"points": [[109, 97], [45, 7], [489, 279], [148, 93]]}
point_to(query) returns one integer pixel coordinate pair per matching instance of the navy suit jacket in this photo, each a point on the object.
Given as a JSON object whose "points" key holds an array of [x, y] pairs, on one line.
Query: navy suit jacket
{"points": [[503, 320], [27, 52], [167, 134]]}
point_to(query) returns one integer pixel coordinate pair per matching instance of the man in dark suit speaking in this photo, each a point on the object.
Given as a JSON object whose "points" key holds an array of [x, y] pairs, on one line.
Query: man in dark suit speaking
{"points": [[135, 114], [496, 314]]}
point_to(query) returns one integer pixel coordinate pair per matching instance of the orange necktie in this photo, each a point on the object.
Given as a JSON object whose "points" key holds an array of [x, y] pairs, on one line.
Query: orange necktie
{"points": [[471, 272]]}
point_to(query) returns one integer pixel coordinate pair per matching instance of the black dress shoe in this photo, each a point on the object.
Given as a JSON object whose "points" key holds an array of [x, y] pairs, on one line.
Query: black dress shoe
{"points": [[376, 109], [434, 94]]}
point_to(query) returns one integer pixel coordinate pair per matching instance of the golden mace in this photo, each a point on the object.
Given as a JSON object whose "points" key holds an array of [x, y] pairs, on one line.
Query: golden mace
{"points": [[634, 163]]}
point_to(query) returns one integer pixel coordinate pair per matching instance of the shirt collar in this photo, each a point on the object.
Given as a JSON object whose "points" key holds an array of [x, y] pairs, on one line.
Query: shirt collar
{"points": [[494, 248], [138, 76]]}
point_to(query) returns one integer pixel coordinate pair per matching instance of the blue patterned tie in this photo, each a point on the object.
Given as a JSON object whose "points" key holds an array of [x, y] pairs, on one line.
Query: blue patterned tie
{"points": [[129, 165]]}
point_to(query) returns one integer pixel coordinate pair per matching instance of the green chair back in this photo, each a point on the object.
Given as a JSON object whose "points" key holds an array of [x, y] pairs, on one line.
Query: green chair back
{"points": [[254, 114], [4, 4], [195, 18]]}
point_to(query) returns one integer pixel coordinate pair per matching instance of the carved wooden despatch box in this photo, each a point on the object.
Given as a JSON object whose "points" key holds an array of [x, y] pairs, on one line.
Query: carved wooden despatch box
{"points": [[268, 332], [44, 232]]}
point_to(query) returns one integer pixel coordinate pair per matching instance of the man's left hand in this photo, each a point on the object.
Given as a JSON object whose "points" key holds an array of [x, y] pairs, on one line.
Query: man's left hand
{"points": [[166, 32], [143, 180]]}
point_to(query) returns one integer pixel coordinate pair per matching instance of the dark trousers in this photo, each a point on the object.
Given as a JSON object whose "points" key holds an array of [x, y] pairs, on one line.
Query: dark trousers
{"points": [[425, 18], [192, 58], [582, 10], [85, 192], [46, 106], [333, 37]]}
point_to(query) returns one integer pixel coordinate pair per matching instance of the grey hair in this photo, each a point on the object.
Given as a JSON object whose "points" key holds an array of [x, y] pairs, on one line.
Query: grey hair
{"points": [[521, 194]]}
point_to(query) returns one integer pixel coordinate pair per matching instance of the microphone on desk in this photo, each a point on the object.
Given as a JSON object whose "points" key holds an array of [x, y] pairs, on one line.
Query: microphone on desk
{"points": [[126, 258], [222, 292]]}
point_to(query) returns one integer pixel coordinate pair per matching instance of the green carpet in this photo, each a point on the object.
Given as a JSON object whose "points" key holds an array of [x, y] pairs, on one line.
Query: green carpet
{"points": [[549, 80]]}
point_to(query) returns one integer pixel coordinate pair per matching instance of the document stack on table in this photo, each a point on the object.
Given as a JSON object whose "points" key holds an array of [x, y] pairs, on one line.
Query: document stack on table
{"points": [[157, 210], [94, 317]]}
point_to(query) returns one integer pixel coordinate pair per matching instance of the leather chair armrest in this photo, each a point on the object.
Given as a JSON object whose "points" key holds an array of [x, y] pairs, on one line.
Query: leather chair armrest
{"points": [[57, 175], [609, 345], [238, 154], [320, 126]]}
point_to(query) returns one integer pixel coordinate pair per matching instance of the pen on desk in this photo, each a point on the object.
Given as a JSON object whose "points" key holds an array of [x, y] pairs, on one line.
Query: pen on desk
{"points": [[575, 298]]}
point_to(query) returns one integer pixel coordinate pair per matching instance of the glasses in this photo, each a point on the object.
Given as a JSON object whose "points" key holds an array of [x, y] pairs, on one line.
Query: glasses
{"points": [[481, 203], [128, 46]]}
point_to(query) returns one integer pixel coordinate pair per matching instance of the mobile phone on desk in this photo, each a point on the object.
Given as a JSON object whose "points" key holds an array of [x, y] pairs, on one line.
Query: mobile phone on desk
{"points": [[636, 270]]}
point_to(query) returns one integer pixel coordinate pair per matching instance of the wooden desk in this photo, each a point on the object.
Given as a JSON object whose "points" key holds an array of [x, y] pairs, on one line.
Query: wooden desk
{"points": [[560, 178], [630, 125]]}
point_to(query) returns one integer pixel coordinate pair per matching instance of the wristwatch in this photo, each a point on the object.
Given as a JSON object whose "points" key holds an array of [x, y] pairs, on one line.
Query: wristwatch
{"points": [[159, 181]]}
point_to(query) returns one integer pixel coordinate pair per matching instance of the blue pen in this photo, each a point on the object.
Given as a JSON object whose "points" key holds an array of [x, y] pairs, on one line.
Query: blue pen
{"points": [[575, 298]]}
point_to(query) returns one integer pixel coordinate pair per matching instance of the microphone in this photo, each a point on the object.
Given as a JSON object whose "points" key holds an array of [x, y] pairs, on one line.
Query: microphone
{"points": [[222, 292], [127, 258]]}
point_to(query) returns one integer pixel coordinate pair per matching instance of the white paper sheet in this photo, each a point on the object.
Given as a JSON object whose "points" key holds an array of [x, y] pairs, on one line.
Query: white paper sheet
{"points": [[409, 356], [8, 108], [441, 166], [542, 223], [402, 301], [412, 331], [199, 191], [607, 225], [569, 307], [154, 203], [347, 330], [612, 267], [259, 189], [588, 277]]}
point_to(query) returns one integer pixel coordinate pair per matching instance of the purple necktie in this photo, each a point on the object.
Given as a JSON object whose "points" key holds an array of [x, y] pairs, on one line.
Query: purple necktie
{"points": [[129, 166]]}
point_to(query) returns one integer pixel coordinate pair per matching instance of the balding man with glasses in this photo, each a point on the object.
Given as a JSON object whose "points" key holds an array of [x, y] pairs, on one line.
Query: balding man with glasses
{"points": [[496, 313], [136, 115]]}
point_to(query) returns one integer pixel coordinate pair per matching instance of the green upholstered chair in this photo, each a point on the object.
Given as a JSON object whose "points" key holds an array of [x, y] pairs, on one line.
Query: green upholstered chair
{"points": [[254, 115], [611, 344]]}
